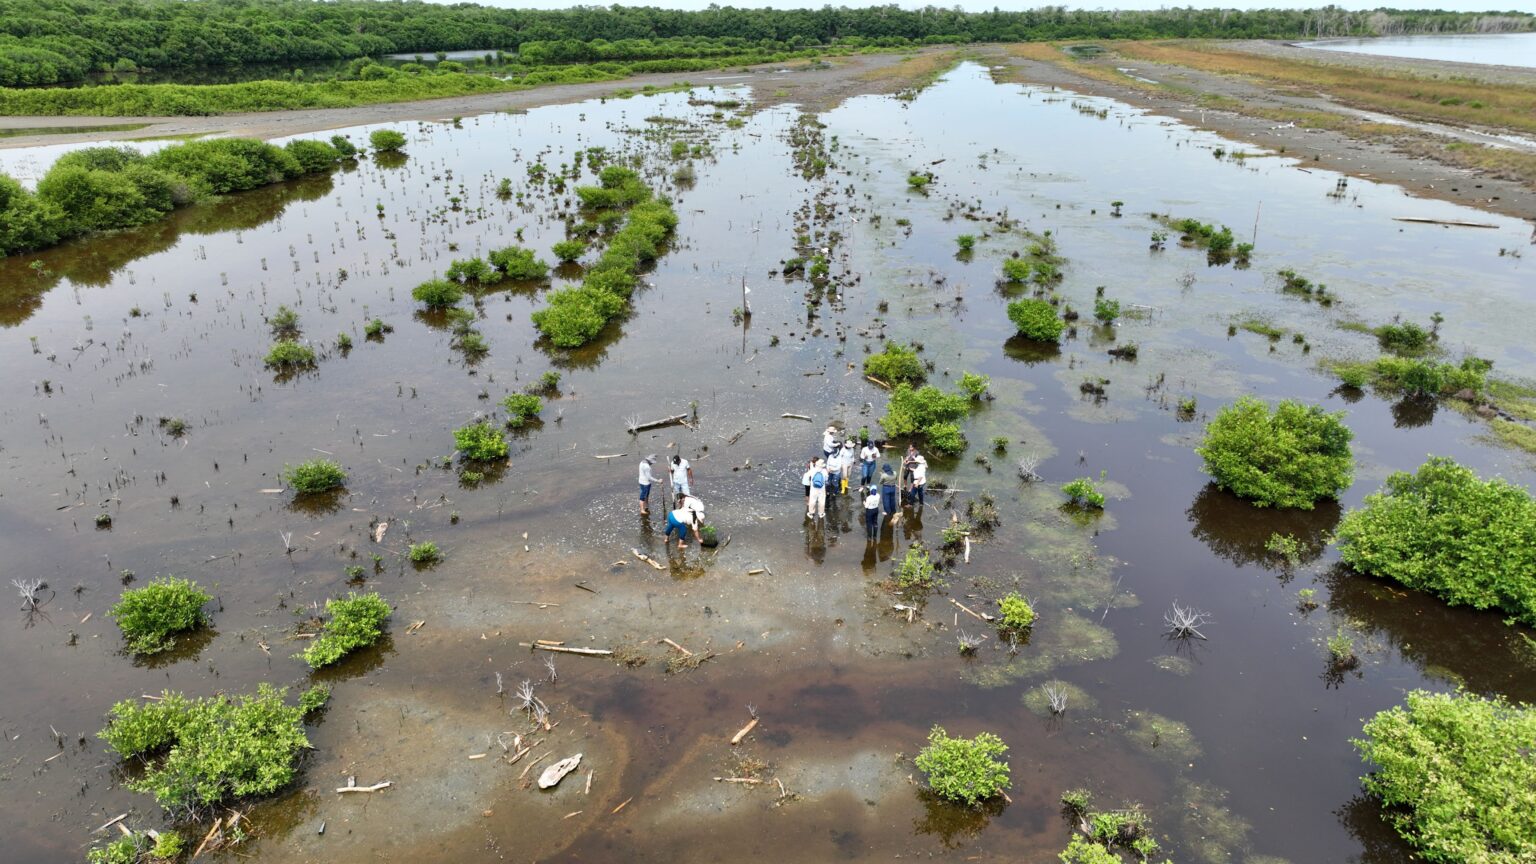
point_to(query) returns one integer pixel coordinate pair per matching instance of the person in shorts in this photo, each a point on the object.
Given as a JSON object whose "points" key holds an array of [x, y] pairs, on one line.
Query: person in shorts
{"points": [[647, 479]]}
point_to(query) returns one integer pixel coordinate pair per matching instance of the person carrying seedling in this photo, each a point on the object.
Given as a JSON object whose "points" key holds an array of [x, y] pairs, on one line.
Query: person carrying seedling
{"points": [[683, 518]]}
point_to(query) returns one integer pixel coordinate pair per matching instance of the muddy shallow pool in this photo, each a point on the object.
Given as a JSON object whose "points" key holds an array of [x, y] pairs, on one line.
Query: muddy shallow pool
{"points": [[1238, 745]]}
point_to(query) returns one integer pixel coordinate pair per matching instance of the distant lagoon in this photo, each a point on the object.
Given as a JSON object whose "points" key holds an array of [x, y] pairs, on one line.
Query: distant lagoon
{"points": [[1500, 49]]}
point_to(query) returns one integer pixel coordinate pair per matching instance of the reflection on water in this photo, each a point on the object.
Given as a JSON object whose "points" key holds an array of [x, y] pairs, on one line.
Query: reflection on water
{"points": [[1240, 532], [1500, 49]]}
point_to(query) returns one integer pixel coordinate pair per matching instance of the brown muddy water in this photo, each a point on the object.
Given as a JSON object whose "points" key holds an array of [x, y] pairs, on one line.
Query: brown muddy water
{"points": [[1239, 745]]}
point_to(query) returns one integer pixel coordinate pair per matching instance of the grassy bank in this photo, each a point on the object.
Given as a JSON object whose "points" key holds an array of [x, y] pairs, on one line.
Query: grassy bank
{"points": [[377, 85]]}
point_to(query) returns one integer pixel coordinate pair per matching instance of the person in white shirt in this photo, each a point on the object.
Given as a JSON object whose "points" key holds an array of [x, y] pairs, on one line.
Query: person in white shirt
{"points": [[847, 458], [647, 478], [919, 480], [819, 478], [689, 515], [869, 454], [828, 442], [682, 476], [871, 513]]}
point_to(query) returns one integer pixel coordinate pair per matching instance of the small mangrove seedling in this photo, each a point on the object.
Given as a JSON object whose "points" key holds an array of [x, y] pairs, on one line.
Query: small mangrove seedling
{"points": [[1106, 310], [1285, 547], [480, 442], [1114, 208], [1018, 614], [315, 698], [968, 643], [1017, 270], [376, 329], [356, 622], [915, 574], [547, 385], [284, 323], [103, 520], [1306, 599], [973, 385], [522, 409], [965, 771], [425, 552], [343, 342], [1341, 650], [150, 617], [173, 426], [918, 182], [1187, 408], [288, 354], [1077, 802], [966, 242], [1082, 493], [314, 475], [1000, 444]]}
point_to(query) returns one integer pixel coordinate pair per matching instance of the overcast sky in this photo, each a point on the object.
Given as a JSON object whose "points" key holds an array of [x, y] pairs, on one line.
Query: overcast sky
{"points": [[984, 5]]}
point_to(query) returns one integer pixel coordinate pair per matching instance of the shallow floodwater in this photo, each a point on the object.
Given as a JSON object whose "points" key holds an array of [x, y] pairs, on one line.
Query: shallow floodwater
{"points": [[1238, 746], [1496, 49]]}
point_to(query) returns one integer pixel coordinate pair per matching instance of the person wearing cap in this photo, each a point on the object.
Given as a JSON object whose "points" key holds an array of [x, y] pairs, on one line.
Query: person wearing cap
{"points": [[847, 459], [682, 476], [647, 478], [816, 504], [869, 454], [829, 442], [871, 513]]}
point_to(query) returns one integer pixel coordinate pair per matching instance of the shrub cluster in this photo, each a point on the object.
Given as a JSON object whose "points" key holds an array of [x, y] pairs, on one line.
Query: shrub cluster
{"points": [[519, 263], [1289, 457], [150, 617], [1456, 775], [215, 749], [1416, 377], [522, 408], [356, 622], [437, 293], [314, 475], [1036, 319], [915, 573], [480, 442], [929, 412], [1445, 531], [290, 354], [1082, 493], [1017, 613], [575, 316], [107, 188], [967, 771], [897, 364], [387, 140]]}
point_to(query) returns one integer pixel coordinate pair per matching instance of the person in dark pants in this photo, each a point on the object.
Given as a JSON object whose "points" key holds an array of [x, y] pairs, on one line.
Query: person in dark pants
{"points": [[871, 514], [888, 488]]}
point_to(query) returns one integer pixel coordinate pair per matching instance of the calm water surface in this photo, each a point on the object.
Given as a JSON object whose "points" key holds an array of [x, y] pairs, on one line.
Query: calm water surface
{"points": [[1496, 49]]}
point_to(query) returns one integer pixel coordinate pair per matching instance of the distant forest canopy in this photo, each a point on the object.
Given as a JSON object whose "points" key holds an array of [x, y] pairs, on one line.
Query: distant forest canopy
{"points": [[57, 41]]}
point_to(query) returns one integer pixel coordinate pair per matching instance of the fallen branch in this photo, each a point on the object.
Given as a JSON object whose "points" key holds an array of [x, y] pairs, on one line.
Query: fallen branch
{"points": [[686, 652], [374, 788], [608, 455], [623, 805], [208, 837], [110, 824], [736, 739], [654, 424], [737, 437], [1456, 222], [875, 380], [753, 780], [794, 416], [560, 649], [647, 559], [979, 616]]}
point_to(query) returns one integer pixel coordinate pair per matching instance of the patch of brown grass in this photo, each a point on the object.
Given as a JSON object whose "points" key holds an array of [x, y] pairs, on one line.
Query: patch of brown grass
{"points": [[919, 70], [1459, 102]]}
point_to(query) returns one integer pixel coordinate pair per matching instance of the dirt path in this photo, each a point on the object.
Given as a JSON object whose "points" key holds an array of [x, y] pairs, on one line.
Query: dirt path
{"points": [[818, 85], [1405, 159]]}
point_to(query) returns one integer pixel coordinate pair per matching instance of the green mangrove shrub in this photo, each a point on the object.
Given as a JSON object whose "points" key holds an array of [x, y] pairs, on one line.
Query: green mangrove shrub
{"points": [[425, 552], [1083, 493], [1455, 775], [357, 621], [964, 770], [199, 753], [139, 847], [480, 442], [897, 364], [522, 408], [386, 140], [475, 270], [314, 475], [929, 412], [1444, 530], [974, 385], [915, 573], [1290, 457], [290, 354], [519, 263], [1036, 319], [437, 293], [1018, 615], [569, 250], [150, 617]]}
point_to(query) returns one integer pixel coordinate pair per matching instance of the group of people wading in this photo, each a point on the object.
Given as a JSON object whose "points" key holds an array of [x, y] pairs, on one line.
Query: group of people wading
{"points": [[833, 473]]}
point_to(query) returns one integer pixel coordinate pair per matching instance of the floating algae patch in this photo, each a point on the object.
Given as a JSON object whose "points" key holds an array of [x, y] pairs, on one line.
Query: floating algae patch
{"points": [[1071, 697], [1212, 832], [1180, 666], [1162, 737], [1061, 640]]}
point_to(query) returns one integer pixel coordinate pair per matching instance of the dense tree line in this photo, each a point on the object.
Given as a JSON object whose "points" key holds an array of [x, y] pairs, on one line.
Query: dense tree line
{"points": [[53, 41]]}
